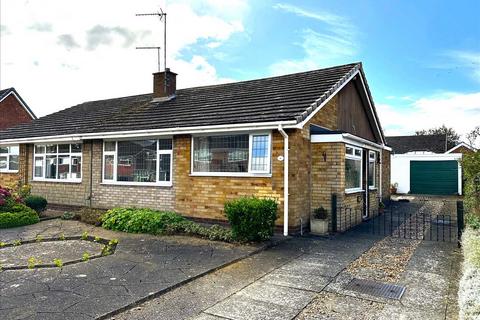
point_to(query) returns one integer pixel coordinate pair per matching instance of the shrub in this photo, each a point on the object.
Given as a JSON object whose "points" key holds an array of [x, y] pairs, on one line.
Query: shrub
{"points": [[18, 217], [251, 219], [139, 220], [91, 216], [67, 215], [469, 289], [473, 221], [37, 203], [187, 227], [320, 213], [471, 173]]}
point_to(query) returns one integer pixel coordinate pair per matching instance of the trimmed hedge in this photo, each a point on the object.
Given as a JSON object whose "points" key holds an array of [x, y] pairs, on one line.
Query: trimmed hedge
{"points": [[20, 215], [469, 288], [37, 203], [251, 218]]}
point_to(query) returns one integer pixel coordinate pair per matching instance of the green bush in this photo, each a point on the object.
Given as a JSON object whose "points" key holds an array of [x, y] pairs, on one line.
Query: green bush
{"points": [[473, 221], [214, 232], [20, 215], [139, 220], [251, 219], [37, 203], [91, 216], [471, 172]]}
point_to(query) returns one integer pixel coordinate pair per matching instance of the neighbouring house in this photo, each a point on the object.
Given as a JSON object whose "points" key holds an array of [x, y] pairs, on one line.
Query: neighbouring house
{"points": [[14, 111], [302, 139], [427, 164]]}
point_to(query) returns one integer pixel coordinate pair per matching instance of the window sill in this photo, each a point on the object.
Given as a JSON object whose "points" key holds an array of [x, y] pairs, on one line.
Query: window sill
{"points": [[8, 171], [136, 184], [352, 191], [57, 181], [372, 188], [231, 174]]}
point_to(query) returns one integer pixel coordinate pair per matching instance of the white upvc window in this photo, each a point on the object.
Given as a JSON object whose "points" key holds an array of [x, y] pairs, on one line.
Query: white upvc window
{"points": [[57, 162], [372, 159], [353, 168], [138, 162], [9, 158], [247, 154]]}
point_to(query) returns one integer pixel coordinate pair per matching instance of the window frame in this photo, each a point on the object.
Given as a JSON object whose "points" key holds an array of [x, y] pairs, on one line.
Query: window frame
{"points": [[157, 183], [250, 173], [8, 154], [57, 154], [355, 157], [374, 160]]}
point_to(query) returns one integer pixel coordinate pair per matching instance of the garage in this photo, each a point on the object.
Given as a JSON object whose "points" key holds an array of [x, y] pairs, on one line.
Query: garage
{"points": [[434, 177], [427, 174]]}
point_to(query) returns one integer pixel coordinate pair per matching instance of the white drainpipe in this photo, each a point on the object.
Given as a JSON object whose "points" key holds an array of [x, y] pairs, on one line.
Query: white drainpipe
{"points": [[381, 173], [285, 179]]}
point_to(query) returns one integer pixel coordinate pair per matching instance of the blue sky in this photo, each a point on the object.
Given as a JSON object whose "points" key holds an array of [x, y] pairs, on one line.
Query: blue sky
{"points": [[421, 58]]}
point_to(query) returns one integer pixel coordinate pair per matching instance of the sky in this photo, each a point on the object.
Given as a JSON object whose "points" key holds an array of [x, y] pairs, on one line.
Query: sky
{"points": [[421, 58]]}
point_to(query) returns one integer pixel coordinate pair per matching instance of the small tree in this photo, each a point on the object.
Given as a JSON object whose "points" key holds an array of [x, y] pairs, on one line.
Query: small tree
{"points": [[473, 136], [453, 138], [471, 171]]}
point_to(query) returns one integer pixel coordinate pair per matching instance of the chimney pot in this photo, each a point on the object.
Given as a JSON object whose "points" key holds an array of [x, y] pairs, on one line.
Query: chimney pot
{"points": [[162, 89]]}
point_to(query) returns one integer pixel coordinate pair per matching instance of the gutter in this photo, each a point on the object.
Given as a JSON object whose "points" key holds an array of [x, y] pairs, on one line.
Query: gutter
{"points": [[285, 179]]}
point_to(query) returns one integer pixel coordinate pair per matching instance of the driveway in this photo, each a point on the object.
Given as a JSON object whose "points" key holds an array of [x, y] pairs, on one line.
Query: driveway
{"points": [[141, 267], [307, 278]]}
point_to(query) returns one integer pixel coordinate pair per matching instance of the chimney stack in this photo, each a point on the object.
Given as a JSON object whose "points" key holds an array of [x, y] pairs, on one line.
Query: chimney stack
{"points": [[162, 90]]}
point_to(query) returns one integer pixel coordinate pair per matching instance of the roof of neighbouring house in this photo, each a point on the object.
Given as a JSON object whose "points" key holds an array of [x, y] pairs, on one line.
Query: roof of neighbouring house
{"points": [[403, 144], [283, 98], [5, 92]]}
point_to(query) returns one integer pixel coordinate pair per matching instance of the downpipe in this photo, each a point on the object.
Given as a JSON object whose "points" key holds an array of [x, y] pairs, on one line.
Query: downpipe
{"points": [[285, 179]]}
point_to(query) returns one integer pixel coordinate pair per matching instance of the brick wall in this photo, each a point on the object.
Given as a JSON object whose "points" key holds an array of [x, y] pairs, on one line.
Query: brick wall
{"points": [[13, 113], [386, 176]]}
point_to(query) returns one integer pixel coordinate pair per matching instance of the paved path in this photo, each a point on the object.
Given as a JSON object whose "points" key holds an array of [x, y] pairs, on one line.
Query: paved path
{"points": [[304, 278], [141, 267]]}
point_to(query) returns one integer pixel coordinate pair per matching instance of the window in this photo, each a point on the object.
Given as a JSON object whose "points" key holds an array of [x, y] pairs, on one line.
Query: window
{"points": [[372, 157], [353, 168], [231, 154], [138, 161], [62, 162], [9, 158]]}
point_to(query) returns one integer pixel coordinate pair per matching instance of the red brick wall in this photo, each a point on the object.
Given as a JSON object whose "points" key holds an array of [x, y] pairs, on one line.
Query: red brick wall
{"points": [[12, 113]]}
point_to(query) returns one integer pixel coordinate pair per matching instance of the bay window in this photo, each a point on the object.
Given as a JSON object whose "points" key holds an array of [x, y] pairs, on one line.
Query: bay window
{"points": [[372, 157], [58, 162], [138, 162], [353, 169], [232, 154], [9, 156]]}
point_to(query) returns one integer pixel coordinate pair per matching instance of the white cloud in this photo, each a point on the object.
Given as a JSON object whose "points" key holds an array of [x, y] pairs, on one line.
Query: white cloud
{"points": [[460, 111], [333, 44], [84, 54], [469, 60]]}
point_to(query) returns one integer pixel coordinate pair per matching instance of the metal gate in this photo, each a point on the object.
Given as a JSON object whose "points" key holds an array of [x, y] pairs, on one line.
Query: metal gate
{"points": [[422, 219]]}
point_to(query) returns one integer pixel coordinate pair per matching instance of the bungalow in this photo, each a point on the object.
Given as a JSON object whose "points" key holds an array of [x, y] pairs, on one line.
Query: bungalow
{"points": [[298, 138], [13, 110]]}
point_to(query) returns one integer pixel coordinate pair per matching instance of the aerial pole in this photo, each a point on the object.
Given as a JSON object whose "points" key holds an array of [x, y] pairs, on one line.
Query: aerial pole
{"points": [[162, 16]]}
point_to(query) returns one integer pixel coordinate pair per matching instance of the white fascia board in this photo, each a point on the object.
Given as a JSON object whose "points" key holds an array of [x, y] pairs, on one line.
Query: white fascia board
{"points": [[21, 103], [463, 144], [346, 138], [319, 107], [429, 157], [158, 132]]}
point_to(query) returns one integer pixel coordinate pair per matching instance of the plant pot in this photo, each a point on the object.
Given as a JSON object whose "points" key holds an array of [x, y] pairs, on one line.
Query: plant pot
{"points": [[318, 226]]}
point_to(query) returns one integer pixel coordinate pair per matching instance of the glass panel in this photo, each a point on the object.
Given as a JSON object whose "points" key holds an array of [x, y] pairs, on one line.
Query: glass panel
{"points": [[108, 167], [63, 167], [13, 162], [352, 173], [371, 173], [260, 153], [63, 148], [109, 145], [38, 167], [51, 148], [372, 155], [221, 154], [40, 149], [349, 150], [51, 167], [14, 150], [137, 161], [358, 152], [77, 148], [76, 167], [4, 162], [165, 144], [165, 165]]}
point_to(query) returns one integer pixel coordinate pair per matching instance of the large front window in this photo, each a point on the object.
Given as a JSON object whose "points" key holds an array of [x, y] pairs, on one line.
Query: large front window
{"points": [[58, 162], [138, 161], [353, 169], [9, 158], [231, 154]]}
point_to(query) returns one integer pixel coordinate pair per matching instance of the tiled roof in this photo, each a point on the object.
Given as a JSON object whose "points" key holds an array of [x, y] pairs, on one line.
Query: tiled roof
{"points": [[403, 144], [282, 98], [5, 92]]}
